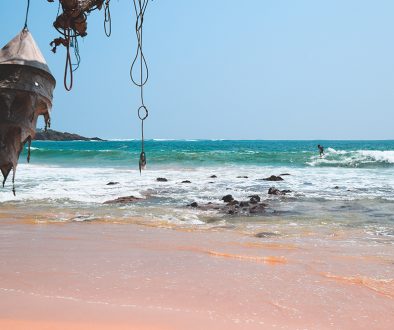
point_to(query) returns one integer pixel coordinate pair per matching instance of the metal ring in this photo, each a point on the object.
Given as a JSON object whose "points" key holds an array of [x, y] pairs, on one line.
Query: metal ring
{"points": [[145, 115]]}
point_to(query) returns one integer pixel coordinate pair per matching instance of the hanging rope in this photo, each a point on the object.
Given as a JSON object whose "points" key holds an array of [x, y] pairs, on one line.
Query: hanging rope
{"points": [[140, 8], [27, 14], [107, 19], [74, 44], [68, 67]]}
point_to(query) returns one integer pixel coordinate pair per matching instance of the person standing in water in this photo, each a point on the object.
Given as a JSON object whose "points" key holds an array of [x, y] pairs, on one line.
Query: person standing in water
{"points": [[321, 150]]}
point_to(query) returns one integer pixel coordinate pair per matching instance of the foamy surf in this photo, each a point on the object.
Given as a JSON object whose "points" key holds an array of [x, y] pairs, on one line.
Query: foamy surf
{"points": [[356, 158]]}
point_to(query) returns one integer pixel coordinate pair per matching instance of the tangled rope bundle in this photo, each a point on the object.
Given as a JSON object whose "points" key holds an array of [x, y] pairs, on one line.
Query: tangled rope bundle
{"points": [[71, 24]]}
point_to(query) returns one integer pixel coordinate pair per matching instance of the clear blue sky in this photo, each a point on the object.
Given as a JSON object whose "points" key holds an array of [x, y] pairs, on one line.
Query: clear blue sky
{"points": [[277, 69]]}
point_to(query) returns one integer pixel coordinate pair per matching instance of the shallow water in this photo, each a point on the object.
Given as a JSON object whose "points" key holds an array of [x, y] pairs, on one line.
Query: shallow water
{"points": [[351, 188]]}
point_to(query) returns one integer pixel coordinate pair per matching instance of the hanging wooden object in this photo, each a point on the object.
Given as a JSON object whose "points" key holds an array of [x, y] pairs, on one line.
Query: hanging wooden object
{"points": [[26, 92]]}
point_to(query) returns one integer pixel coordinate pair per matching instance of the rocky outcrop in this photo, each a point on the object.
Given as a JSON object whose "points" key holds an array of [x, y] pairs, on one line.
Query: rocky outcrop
{"points": [[51, 135]]}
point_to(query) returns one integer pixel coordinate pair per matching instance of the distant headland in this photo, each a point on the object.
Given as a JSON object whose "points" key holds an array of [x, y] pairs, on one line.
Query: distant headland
{"points": [[52, 135]]}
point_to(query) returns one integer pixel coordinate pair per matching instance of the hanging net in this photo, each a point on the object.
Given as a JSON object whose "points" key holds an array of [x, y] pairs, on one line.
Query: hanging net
{"points": [[26, 91]]}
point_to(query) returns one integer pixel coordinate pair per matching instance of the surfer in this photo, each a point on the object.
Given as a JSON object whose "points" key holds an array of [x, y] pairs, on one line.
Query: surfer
{"points": [[321, 150]]}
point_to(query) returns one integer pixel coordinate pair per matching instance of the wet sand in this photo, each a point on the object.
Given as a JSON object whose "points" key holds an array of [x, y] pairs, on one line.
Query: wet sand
{"points": [[96, 275]]}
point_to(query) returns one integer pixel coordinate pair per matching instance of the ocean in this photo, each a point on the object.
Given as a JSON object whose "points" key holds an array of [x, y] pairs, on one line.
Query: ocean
{"points": [[351, 187]]}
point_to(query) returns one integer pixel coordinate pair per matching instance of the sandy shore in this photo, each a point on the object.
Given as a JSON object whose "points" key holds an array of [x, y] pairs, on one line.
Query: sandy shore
{"points": [[126, 276]]}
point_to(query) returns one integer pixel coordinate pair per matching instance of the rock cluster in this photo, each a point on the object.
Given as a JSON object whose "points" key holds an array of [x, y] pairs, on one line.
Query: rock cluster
{"points": [[228, 204], [235, 207], [123, 200]]}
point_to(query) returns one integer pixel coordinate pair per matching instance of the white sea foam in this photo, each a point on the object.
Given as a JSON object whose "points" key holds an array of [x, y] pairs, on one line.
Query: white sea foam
{"points": [[85, 189], [89, 185], [378, 155], [354, 158], [333, 151]]}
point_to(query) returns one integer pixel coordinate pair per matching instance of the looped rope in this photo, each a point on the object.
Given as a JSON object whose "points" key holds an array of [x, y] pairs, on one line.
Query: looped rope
{"points": [[143, 112], [68, 67], [107, 19], [143, 115]]}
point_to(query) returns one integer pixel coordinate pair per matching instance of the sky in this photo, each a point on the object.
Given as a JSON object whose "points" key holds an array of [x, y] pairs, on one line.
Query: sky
{"points": [[226, 69]]}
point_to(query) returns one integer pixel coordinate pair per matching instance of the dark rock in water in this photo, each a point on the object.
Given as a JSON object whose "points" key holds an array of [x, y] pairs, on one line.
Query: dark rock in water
{"points": [[161, 179], [242, 177], [273, 178], [266, 234], [123, 200], [211, 182], [275, 191], [186, 181], [336, 187], [228, 188], [213, 176], [112, 183], [283, 174], [227, 198], [254, 199], [51, 135], [233, 207], [257, 208], [194, 204]]}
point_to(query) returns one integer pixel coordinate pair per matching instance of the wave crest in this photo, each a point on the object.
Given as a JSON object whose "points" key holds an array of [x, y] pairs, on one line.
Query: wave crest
{"points": [[356, 158]]}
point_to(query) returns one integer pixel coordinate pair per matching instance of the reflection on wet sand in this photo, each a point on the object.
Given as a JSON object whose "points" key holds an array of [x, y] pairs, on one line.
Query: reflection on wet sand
{"points": [[382, 286]]}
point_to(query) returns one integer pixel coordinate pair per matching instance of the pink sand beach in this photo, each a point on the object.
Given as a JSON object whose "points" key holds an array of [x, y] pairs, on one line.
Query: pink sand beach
{"points": [[98, 275]]}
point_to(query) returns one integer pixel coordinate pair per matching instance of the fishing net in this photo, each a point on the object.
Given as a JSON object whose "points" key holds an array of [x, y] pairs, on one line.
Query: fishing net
{"points": [[26, 91]]}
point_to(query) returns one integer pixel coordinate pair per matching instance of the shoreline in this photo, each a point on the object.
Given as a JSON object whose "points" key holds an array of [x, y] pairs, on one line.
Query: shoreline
{"points": [[122, 276]]}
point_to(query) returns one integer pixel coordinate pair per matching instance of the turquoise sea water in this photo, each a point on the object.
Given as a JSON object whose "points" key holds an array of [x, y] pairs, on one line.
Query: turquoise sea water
{"points": [[352, 154], [352, 186]]}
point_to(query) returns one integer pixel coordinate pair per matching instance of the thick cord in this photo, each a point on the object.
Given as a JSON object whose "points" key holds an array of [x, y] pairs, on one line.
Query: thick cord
{"points": [[27, 14], [68, 67], [142, 110], [107, 19]]}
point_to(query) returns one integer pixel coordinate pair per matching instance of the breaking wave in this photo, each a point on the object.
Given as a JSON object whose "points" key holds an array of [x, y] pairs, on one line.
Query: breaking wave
{"points": [[355, 158]]}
